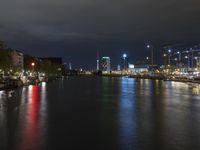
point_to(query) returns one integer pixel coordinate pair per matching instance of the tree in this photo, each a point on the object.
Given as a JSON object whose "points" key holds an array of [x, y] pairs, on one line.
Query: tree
{"points": [[47, 67], [5, 60], [2, 45]]}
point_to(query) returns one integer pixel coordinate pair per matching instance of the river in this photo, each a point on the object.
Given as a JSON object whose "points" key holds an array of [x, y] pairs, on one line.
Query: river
{"points": [[101, 113]]}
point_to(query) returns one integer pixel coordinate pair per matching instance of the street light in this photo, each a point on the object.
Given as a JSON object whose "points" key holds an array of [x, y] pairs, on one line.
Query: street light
{"points": [[149, 46], [165, 61], [33, 65], [188, 62], [169, 51], [124, 57], [179, 55], [196, 58]]}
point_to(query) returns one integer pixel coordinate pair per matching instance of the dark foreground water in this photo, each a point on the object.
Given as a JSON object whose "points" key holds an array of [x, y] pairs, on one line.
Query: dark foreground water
{"points": [[101, 114]]}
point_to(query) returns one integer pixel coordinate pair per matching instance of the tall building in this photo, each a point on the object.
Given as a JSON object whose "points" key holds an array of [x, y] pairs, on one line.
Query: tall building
{"points": [[118, 67], [198, 62], [70, 66], [97, 64], [105, 64], [17, 58], [97, 61]]}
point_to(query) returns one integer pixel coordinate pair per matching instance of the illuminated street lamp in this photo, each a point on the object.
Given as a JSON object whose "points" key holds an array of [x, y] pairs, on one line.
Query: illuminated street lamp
{"points": [[124, 57], [188, 62], [165, 61], [196, 59], [149, 46], [33, 65], [179, 56], [169, 54]]}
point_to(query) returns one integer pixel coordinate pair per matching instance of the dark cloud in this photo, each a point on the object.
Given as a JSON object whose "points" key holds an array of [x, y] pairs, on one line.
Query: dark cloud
{"points": [[73, 27]]}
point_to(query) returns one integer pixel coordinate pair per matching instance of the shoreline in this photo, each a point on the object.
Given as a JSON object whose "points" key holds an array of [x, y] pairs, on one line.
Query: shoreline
{"points": [[13, 87]]}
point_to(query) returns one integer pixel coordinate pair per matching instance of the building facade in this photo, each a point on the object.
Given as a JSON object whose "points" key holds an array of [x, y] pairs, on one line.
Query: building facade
{"points": [[17, 59], [105, 64], [135, 69]]}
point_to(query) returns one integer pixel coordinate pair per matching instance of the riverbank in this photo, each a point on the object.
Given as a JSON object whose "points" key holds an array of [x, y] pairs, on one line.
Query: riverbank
{"points": [[157, 77], [18, 83]]}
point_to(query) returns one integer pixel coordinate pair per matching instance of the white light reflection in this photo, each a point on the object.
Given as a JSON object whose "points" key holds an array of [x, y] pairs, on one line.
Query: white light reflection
{"points": [[3, 120], [30, 89], [23, 96], [1, 95], [127, 113], [43, 95], [43, 111], [196, 89]]}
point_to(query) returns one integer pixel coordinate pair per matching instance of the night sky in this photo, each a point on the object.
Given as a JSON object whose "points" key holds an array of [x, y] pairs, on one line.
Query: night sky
{"points": [[77, 29]]}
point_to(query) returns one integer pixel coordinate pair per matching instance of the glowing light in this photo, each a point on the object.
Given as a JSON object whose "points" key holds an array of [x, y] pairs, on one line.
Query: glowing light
{"points": [[131, 66], [124, 55], [105, 57], [32, 64]]}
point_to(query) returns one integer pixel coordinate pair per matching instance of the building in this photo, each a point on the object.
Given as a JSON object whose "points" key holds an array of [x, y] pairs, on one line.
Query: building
{"points": [[97, 61], [135, 69], [105, 64], [17, 59]]}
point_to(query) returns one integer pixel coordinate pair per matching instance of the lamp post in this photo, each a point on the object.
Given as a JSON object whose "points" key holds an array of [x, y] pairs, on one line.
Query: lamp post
{"points": [[179, 58], [33, 65], [196, 60], [147, 58], [165, 60], [124, 58], [188, 62], [149, 46], [169, 54]]}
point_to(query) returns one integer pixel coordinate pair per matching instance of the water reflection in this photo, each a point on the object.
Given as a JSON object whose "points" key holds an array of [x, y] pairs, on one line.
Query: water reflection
{"points": [[30, 132], [127, 114], [111, 113], [196, 89], [32, 123]]}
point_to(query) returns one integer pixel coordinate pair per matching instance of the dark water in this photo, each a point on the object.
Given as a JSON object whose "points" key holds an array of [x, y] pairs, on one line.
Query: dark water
{"points": [[101, 114]]}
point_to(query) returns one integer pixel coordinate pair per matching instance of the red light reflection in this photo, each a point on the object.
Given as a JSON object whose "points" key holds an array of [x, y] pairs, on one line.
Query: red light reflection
{"points": [[30, 133]]}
